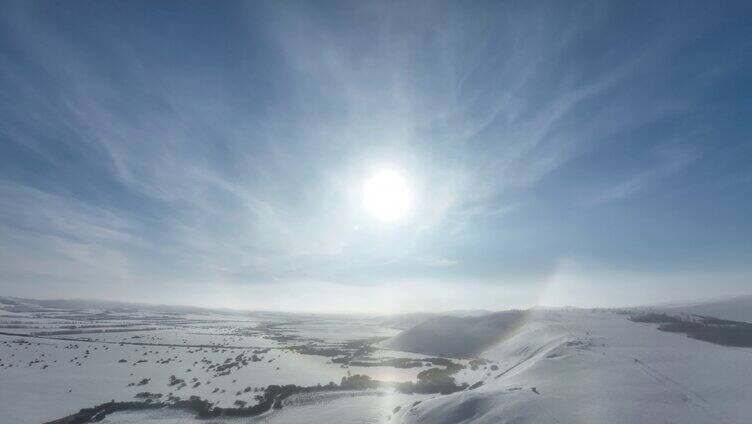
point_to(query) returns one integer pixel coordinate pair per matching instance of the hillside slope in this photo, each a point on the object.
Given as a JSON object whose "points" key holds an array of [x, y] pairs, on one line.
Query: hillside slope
{"points": [[581, 366], [736, 309], [457, 336]]}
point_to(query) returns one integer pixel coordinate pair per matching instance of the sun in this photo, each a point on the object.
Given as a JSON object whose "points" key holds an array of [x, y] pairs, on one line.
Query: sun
{"points": [[386, 195]]}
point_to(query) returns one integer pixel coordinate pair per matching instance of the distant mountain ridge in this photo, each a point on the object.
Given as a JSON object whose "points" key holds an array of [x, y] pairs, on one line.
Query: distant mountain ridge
{"points": [[111, 305]]}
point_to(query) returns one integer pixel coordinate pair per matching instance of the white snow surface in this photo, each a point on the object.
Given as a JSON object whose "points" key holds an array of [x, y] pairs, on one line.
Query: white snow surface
{"points": [[578, 366], [47, 376], [556, 366]]}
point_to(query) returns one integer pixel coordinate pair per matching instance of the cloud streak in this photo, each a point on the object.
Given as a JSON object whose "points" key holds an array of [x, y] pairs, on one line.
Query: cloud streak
{"points": [[227, 149]]}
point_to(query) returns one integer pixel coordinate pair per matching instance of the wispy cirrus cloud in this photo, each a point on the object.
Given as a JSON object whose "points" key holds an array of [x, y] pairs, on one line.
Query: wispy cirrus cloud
{"points": [[230, 149], [670, 159]]}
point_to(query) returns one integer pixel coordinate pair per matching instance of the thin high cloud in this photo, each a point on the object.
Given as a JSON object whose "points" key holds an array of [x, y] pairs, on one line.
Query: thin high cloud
{"points": [[670, 159], [234, 158]]}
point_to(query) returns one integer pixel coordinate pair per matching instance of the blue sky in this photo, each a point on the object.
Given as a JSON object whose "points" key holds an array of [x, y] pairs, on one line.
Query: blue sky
{"points": [[214, 153]]}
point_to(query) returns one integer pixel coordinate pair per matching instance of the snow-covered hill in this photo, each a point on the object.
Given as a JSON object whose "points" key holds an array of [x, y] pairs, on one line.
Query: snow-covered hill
{"points": [[409, 320], [577, 366], [735, 309], [446, 335]]}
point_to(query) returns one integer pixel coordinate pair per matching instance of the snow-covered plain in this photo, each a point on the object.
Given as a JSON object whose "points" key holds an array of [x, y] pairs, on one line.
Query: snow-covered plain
{"points": [[556, 366], [55, 361]]}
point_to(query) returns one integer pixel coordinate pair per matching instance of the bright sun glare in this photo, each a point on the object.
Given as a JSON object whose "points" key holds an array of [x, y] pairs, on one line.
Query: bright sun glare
{"points": [[386, 195]]}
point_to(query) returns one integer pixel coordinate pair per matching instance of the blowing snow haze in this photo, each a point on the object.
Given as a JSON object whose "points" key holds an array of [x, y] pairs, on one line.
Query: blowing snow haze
{"points": [[385, 212]]}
